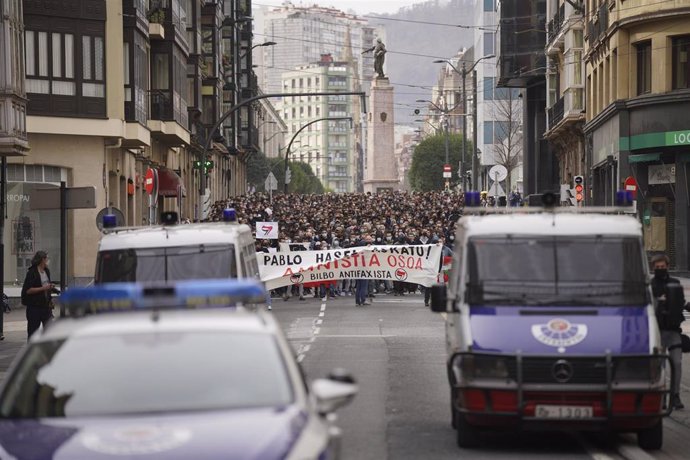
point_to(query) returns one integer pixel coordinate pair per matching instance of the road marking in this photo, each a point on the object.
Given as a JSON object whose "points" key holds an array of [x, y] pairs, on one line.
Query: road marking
{"points": [[323, 307], [317, 330], [319, 322], [300, 358], [592, 451], [322, 314], [444, 316]]}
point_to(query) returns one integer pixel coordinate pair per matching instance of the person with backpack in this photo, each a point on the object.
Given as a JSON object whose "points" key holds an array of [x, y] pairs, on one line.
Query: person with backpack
{"points": [[36, 293]]}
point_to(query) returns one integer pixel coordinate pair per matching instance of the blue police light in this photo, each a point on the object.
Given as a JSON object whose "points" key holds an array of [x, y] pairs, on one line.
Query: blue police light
{"points": [[109, 221], [624, 198], [229, 215], [472, 199], [191, 294]]}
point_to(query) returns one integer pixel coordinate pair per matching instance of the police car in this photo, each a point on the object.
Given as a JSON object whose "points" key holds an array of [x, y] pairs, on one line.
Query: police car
{"points": [[172, 252], [174, 372], [550, 325]]}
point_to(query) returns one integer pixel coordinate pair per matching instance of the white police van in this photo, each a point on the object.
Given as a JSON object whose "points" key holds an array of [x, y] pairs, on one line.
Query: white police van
{"points": [[172, 251], [550, 324]]}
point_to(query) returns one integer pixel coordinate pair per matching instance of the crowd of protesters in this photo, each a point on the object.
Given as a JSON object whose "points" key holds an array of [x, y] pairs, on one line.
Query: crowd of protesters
{"points": [[332, 221]]}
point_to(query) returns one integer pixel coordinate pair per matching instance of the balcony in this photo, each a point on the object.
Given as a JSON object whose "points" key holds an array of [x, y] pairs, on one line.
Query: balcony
{"points": [[168, 121], [555, 113], [554, 26], [597, 27]]}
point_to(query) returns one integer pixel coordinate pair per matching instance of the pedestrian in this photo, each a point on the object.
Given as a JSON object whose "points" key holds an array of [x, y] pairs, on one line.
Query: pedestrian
{"points": [[36, 293], [669, 316]]}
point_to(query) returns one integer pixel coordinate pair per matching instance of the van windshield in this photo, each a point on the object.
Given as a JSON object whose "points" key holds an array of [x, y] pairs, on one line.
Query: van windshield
{"points": [[201, 261], [556, 270]]}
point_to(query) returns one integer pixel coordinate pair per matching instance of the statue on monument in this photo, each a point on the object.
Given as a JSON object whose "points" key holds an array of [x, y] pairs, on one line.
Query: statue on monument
{"points": [[379, 50]]}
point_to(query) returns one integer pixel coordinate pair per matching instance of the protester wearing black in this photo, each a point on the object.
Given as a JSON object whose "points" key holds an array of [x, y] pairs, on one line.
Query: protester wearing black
{"points": [[36, 293], [669, 318]]}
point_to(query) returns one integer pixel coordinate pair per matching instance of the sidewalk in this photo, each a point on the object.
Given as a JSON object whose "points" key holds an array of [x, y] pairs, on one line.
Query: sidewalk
{"points": [[14, 329]]}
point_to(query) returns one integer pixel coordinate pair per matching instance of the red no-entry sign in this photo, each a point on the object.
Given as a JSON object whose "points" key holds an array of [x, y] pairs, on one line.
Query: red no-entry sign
{"points": [[151, 181], [631, 185], [446, 171]]}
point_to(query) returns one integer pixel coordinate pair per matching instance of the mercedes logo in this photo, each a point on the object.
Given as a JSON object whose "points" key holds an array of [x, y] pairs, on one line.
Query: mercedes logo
{"points": [[562, 371]]}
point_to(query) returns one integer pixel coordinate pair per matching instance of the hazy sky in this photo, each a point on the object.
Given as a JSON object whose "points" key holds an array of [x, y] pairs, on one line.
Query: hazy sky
{"points": [[360, 6]]}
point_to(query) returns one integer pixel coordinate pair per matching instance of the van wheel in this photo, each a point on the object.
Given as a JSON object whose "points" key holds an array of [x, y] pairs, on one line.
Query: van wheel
{"points": [[651, 438], [467, 435]]}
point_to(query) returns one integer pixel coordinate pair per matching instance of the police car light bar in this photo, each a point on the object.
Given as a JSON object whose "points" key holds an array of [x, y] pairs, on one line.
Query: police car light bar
{"points": [[191, 294], [229, 215], [550, 210]]}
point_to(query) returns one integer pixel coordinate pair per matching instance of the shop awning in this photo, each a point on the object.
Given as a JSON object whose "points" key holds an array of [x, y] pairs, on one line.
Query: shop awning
{"points": [[644, 157], [169, 183]]}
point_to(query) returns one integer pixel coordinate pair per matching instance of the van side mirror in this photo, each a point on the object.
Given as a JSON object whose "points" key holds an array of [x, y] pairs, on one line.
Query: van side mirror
{"points": [[439, 298]]}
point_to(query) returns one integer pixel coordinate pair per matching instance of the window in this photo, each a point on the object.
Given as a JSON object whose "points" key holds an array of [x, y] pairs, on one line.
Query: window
{"points": [[93, 66], [644, 67], [681, 64], [160, 69], [577, 64], [489, 5], [488, 91], [488, 43], [488, 132], [54, 75], [578, 38]]}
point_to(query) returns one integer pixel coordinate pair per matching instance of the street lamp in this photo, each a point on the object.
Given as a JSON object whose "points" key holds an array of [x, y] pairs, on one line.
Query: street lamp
{"points": [[287, 152], [463, 73], [256, 46]]}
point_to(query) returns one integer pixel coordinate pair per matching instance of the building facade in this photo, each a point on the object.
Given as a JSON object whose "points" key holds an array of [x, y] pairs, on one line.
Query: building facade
{"points": [[638, 94], [565, 86], [328, 146], [115, 88], [522, 64]]}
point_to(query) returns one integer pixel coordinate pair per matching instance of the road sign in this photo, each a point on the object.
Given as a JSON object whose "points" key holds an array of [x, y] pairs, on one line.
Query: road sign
{"points": [[631, 184], [75, 198], [447, 172], [498, 173], [151, 181], [271, 183]]}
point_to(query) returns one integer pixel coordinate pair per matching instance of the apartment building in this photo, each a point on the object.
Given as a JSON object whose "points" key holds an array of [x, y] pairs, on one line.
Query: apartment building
{"points": [[565, 87], [638, 94], [328, 146], [115, 88]]}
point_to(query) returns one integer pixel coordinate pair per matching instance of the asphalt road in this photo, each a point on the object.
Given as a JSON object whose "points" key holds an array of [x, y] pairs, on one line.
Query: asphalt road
{"points": [[395, 350]]}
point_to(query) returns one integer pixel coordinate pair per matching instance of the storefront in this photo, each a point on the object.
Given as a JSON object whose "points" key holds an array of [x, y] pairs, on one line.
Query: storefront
{"points": [[647, 139]]}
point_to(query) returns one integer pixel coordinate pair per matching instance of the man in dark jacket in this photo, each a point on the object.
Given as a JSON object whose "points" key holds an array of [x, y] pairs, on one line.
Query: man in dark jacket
{"points": [[669, 318], [36, 293]]}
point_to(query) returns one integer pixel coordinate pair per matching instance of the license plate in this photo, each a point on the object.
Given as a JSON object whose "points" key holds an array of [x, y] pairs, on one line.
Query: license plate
{"points": [[563, 412]]}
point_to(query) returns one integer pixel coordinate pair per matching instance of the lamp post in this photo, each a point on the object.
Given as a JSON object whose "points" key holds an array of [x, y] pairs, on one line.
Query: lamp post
{"points": [[236, 107], [463, 73], [256, 46], [287, 152]]}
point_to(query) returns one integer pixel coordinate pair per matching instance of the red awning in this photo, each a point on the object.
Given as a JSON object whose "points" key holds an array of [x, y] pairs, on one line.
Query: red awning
{"points": [[169, 183]]}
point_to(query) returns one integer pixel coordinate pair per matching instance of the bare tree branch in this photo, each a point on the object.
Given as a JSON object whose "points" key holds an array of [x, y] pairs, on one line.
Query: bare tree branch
{"points": [[508, 130]]}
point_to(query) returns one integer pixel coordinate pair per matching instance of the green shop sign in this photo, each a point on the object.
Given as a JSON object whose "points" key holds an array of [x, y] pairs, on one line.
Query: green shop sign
{"points": [[651, 140]]}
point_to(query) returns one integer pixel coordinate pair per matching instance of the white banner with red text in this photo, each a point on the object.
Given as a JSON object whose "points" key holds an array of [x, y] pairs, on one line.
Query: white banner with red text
{"points": [[411, 264]]}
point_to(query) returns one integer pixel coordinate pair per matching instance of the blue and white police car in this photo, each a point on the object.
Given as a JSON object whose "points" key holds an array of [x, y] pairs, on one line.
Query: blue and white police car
{"points": [[550, 324], [166, 371]]}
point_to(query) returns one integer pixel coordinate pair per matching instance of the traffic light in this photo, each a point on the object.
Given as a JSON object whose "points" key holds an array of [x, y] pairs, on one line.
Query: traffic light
{"points": [[208, 165], [579, 189]]}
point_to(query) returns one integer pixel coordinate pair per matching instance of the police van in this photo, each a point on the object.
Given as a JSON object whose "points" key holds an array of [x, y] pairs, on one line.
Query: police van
{"points": [[172, 251], [550, 324]]}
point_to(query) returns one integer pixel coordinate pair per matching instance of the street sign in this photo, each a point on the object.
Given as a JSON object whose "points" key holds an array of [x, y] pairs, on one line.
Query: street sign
{"points": [[271, 183], [151, 181], [498, 173], [75, 198], [631, 184], [447, 172]]}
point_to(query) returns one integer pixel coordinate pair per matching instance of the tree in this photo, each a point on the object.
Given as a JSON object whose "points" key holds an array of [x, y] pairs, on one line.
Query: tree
{"points": [[302, 180], [258, 167], [507, 109], [426, 172]]}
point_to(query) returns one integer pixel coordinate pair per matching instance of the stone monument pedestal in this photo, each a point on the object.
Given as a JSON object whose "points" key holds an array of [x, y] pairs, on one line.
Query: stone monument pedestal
{"points": [[380, 166]]}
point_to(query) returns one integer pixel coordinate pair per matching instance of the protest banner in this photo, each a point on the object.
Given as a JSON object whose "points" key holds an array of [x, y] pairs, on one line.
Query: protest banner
{"points": [[411, 264], [267, 230]]}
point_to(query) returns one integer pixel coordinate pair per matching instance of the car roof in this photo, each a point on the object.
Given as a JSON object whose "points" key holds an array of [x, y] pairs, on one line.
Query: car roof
{"points": [[173, 235], [550, 224], [229, 320]]}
